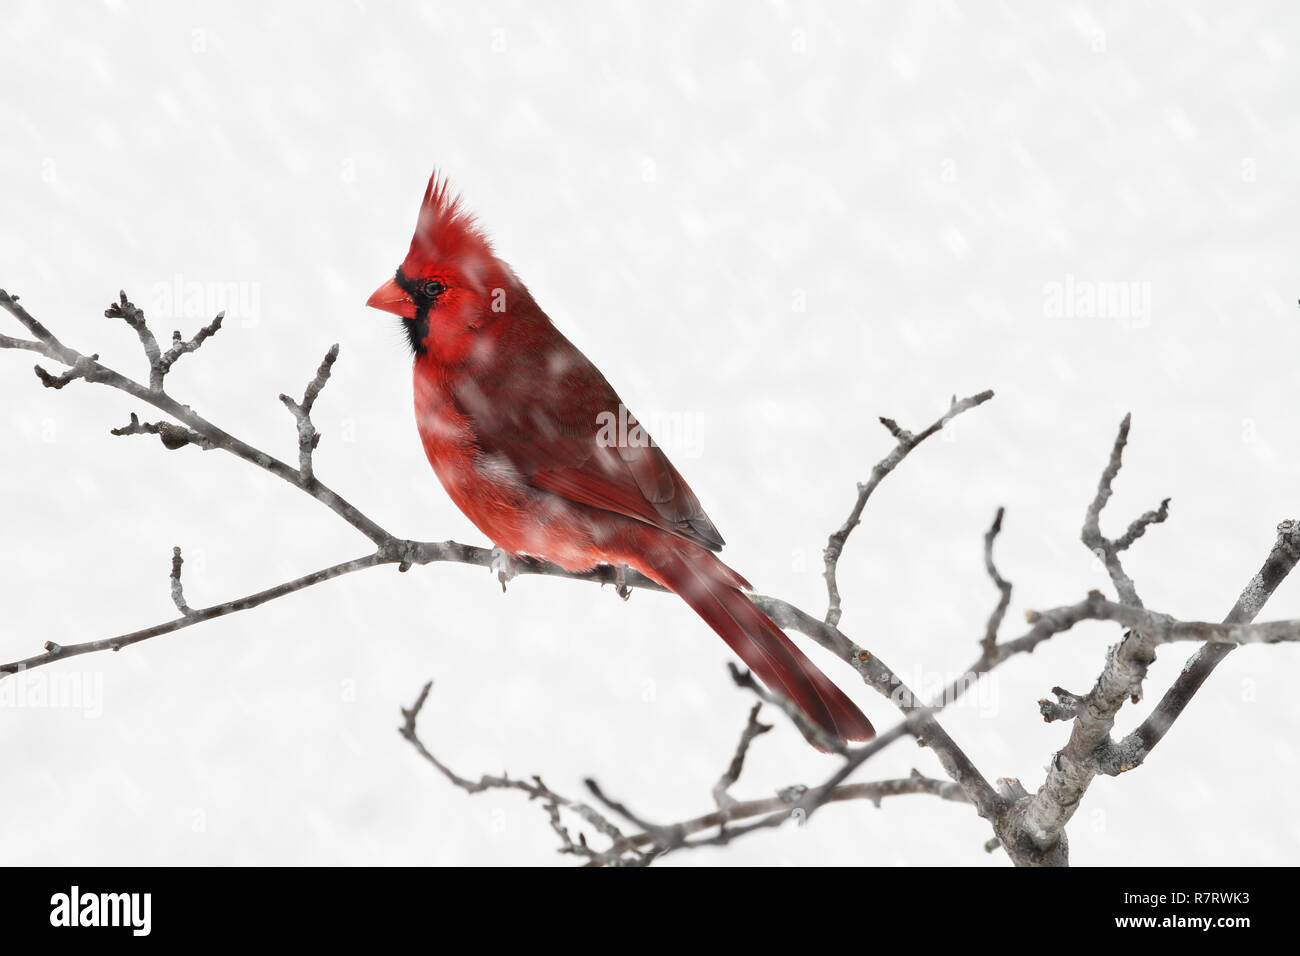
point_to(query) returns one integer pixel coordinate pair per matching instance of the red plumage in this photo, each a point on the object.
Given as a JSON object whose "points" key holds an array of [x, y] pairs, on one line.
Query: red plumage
{"points": [[511, 413]]}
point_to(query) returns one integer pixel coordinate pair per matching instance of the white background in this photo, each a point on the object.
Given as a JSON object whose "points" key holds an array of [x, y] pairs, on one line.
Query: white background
{"points": [[673, 181]]}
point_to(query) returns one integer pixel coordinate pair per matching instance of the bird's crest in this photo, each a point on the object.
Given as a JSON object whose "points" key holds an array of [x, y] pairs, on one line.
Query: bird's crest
{"points": [[445, 231]]}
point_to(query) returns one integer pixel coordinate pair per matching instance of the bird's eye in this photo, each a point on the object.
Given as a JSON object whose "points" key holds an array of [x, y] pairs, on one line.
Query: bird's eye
{"points": [[433, 288]]}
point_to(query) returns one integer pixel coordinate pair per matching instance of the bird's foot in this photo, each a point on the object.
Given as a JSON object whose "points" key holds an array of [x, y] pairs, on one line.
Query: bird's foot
{"points": [[502, 566], [620, 582]]}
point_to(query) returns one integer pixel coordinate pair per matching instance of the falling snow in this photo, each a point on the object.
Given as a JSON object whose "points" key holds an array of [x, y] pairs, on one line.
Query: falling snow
{"points": [[772, 226]]}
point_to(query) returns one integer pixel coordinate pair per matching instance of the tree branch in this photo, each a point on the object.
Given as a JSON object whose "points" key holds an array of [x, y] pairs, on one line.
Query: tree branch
{"points": [[58, 652], [172, 436], [1030, 828], [989, 643], [906, 442], [621, 853], [308, 437], [1132, 751], [753, 728], [89, 368], [178, 590], [1037, 831]]}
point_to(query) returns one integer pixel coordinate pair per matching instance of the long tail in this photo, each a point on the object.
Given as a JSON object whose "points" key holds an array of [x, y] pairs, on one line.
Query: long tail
{"points": [[713, 590]]}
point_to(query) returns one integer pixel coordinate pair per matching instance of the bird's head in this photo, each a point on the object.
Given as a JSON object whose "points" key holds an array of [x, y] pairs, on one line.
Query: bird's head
{"points": [[446, 286]]}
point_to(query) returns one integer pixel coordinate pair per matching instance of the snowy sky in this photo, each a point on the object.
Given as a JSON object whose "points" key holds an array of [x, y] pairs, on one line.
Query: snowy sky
{"points": [[768, 225]]}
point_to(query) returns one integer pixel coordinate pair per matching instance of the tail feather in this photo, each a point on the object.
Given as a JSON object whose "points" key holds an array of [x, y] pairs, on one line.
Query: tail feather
{"points": [[710, 588]]}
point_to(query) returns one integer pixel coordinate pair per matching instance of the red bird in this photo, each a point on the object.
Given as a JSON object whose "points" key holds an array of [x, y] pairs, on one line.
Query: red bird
{"points": [[515, 420]]}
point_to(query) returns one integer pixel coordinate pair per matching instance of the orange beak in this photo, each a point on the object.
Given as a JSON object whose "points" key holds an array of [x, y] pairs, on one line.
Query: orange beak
{"points": [[390, 297]]}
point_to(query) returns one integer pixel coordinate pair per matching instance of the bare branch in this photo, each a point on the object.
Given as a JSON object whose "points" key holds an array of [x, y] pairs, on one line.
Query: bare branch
{"points": [[181, 347], [906, 442], [753, 728], [1065, 707], [9, 342], [1090, 750], [172, 436], [1004, 587], [873, 792], [308, 437], [1132, 751], [407, 553], [811, 732], [133, 316], [667, 837], [877, 675], [1038, 832], [1138, 526], [655, 840], [90, 369], [160, 362], [771, 812], [49, 346], [1030, 828], [57, 652], [403, 553], [1104, 548], [84, 367], [552, 802], [178, 591]]}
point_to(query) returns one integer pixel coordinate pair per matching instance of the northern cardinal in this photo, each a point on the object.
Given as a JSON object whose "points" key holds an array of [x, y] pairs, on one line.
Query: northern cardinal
{"points": [[514, 420]]}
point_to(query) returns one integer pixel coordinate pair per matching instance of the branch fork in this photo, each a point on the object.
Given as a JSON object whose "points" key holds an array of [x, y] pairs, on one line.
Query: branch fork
{"points": [[308, 437]]}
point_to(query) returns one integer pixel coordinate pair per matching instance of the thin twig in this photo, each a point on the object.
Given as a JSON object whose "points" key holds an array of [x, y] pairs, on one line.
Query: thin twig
{"points": [[133, 316], [877, 675], [753, 728], [90, 369], [404, 554], [1138, 526], [552, 802], [1133, 750], [178, 590], [811, 732], [58, 652], [83, 367], [1035, 833], [308, 437], [906, 442], [775, 811], [1004, 587], [181, 347], [172, 436], [9, 342], [1104, 548]]}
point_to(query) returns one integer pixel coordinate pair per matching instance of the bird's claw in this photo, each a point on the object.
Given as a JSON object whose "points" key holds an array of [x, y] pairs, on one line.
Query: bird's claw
{"points": [[620, 582], [502, 567]]}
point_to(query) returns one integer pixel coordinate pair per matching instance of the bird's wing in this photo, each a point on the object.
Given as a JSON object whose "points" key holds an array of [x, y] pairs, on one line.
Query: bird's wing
{"points": [[561, 426]]}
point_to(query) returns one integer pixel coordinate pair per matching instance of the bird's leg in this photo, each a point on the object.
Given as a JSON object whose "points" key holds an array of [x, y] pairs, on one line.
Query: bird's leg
{"points": [[502, 567], [620, 582]]}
